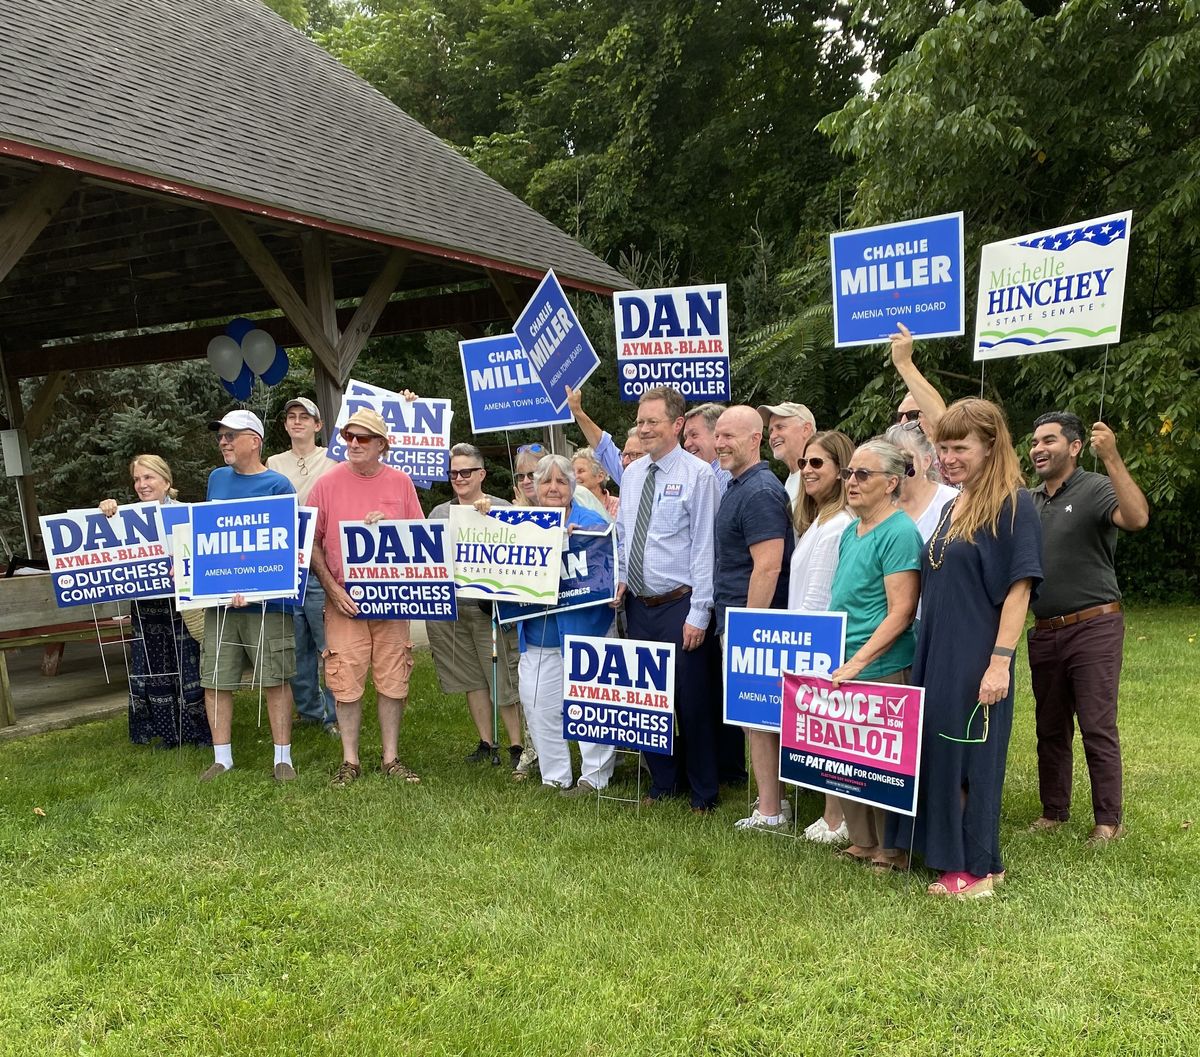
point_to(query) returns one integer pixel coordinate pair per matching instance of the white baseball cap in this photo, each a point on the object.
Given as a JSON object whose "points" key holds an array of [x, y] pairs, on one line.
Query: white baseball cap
{"points": [[239, 420]]}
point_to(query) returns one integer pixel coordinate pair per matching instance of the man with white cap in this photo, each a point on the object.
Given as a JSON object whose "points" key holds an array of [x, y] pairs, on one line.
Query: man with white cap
{"points": [[790, 427], [363, 488], [303, 464], [233, 640]]}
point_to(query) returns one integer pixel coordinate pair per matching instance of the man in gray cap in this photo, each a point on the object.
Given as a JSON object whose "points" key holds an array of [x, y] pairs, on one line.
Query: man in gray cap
{"points": [[302, 464], [789, 428], [235, 639]]}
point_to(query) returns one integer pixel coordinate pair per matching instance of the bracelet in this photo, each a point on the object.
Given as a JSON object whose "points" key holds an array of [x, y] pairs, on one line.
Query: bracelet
{"points": [[1003, 651]]}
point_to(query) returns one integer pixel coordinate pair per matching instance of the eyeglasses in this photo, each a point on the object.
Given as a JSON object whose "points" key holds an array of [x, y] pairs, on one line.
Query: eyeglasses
{"points": [[861, 476], [358, 438], [519, 477], [226, 437], [968, 740], [907, 416], [462, 475], [533, 449], [816, 462]]}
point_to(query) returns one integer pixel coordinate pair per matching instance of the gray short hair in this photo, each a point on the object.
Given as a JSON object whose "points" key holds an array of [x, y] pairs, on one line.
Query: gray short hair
{"points": [[554, 462], [589, 456], [709, 412], [467, 451], [914, 441], [891, 459]]}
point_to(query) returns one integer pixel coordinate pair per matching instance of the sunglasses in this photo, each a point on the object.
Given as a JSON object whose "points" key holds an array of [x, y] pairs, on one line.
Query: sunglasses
{"points": [[533, 449], [358, 438], [226, 437], [907, 416], [816, 462], [519, 477], [462, 475], [861, 476]]}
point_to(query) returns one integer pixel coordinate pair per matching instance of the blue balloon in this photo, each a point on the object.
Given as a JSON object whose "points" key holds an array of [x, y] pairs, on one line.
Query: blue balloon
{"points": [[278, 370], [242, 386], [239, 328]]}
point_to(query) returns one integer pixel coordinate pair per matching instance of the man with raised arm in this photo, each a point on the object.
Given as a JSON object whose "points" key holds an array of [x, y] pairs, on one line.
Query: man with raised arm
{"points": [[1076, 641]]}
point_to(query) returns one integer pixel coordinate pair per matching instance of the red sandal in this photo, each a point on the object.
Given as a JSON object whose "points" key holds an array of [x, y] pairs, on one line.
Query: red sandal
{"points": [[962, 885]]}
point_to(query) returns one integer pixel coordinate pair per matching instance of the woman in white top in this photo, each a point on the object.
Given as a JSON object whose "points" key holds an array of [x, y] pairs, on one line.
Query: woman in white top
{"points": [[922, 498], [820, 517]]}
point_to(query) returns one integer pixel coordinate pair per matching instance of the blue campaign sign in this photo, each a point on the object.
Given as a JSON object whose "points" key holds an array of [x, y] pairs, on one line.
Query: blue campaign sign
{"points": [[588, 576], [502, 392], [244, 546], [678, 337], [910, 273], [418, 431], [761, 644], [619, 692], [96, 559], [306, 526], [398, 570], [550, 333]]}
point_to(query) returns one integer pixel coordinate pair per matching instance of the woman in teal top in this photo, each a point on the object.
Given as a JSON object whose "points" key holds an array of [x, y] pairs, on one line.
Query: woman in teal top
{"points": [[876, 584]]}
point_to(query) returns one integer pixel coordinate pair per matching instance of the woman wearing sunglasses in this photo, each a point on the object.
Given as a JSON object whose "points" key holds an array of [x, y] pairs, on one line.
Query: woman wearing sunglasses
{"points": [[876, 584], [528, 456], [979, 570]]}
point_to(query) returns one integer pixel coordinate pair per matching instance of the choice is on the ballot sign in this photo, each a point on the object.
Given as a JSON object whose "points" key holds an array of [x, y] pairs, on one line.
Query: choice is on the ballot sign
{"points": [[96, 559], [677, 337], [1058, 289], [418, 431], [910, 273], [619, 692], [502, 392], [861, 741], [761, 644], [398, 570]]}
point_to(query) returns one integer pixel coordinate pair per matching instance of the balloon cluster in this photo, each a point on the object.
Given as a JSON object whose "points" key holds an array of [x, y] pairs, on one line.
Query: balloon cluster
{"points": [[242, 352]]}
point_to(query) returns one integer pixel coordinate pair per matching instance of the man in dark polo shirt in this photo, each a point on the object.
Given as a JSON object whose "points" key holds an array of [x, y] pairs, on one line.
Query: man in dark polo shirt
{"points": [[1075, 643], [754, 540]]}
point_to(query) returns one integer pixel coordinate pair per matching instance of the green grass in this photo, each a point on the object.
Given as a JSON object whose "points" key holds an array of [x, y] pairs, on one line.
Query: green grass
{"points": [[148, 914]]}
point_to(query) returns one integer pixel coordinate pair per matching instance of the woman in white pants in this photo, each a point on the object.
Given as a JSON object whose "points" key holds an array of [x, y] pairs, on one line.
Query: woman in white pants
{"points": [[541, 669]]}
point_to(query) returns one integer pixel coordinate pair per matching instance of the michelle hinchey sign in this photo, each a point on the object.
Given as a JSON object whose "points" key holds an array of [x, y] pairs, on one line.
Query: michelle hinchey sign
{"points": [[857, 740], [619, 692]]}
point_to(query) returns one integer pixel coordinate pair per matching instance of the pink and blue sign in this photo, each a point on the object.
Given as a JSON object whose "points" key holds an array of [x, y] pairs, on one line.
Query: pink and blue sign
{"points": [[861, 741]]}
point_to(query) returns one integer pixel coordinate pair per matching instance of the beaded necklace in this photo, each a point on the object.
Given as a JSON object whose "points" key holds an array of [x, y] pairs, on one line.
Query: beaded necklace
{"points": [[935, 563]]}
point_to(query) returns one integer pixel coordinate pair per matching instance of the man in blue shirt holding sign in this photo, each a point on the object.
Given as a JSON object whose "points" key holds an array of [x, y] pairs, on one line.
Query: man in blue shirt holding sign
{"points": [[233, 643]]}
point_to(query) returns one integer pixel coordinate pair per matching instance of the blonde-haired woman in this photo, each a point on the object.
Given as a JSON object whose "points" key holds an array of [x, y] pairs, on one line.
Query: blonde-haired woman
{"points": [[978, 571], [165, 697]]}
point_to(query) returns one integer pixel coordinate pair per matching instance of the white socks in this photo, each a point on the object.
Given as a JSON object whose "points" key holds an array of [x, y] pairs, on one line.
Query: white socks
{"points": [[283, 754], [223, 754]]}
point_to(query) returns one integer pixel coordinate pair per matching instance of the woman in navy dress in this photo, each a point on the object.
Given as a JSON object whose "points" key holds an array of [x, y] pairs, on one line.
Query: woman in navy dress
{"points": [[978, 571], [166, 700]]}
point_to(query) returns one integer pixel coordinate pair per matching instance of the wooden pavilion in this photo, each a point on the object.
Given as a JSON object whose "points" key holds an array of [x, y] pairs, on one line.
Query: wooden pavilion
{"points": [[169, 162]]}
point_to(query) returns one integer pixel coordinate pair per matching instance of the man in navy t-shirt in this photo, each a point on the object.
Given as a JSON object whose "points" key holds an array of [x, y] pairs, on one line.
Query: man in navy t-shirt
{"points": [[261, 635]]}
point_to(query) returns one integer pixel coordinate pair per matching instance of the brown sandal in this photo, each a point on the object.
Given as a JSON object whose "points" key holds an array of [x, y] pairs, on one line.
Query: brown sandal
{"points": [[395, 769]]}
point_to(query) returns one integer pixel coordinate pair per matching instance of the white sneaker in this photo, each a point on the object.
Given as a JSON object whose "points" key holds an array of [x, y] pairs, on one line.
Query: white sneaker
{"points": [[785, 808], [760, 821], [820, 833]]}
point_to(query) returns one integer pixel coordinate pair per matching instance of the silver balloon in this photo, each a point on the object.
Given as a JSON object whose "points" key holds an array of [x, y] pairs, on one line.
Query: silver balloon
{"points": [[258, 347], [225, 357]]}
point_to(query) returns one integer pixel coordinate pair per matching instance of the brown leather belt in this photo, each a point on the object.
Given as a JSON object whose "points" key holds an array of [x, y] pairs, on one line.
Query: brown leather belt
{"points": [[662, 600], [1053, 623]]}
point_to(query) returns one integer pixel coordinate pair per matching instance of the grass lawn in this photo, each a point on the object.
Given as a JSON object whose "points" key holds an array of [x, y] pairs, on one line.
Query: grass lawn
{"points": [[147, 914]]}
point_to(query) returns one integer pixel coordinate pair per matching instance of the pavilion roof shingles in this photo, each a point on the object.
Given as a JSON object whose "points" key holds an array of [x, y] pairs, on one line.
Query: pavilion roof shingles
{"points": [[225, 96]]}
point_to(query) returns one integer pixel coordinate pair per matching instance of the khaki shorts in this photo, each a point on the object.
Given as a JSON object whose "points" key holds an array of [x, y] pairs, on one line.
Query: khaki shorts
{"points": [[354, 647], [462, 653], [224, 657]]}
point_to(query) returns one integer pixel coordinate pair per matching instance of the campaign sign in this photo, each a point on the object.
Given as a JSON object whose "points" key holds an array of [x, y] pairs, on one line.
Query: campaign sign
{"points": [[97, 559], [1057, 289], [677, 337], [761, 644], [418, 431], [619, 692], [244, 546], [509, 555], [910, 273], [306, 529], [502, 392], [861, 740], [398, 570], [588, 576], [550, 333]]}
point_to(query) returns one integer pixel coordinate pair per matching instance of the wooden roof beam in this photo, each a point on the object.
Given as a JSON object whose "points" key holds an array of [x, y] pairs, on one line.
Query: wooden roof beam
{"points": [[25, 220]]}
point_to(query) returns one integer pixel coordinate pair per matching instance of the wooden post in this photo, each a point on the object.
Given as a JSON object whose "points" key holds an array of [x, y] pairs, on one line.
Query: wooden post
{"points": [[25, 485], [318, 294]]}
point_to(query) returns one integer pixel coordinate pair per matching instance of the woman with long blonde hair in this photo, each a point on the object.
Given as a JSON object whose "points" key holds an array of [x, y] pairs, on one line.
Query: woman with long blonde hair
{"points": [[978, 572]]}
